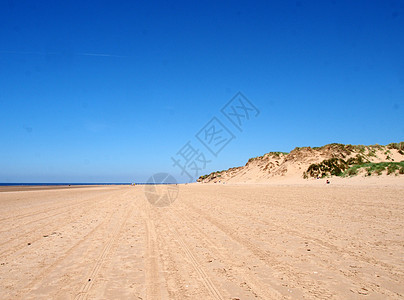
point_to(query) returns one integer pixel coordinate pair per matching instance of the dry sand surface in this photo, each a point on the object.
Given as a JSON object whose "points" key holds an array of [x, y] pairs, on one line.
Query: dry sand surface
{"points": [[214, 242]]}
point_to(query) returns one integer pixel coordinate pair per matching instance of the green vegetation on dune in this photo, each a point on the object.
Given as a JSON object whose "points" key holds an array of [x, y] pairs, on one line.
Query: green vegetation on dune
{"points": [[213, 174], [351, 166], [376, 168], [398, 146], [339, 167], [333, 166], [357, 160], [360, 157], [276, 153]]}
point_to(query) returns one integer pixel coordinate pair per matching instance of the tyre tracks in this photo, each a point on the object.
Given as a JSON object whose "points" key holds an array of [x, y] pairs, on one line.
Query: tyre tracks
{"points": [[392, 271], [43, 211], [258, 288], [153, 287], [45, 272], [312, 287], [207, 282], [24, 243], [101, 259]]}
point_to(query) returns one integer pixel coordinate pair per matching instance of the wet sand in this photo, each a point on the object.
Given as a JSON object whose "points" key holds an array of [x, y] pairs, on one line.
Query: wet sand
{"points": [[213, 242], [21, 188]]}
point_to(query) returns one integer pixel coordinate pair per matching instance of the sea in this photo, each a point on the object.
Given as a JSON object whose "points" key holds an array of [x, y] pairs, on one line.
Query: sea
{"points": [[61, 183], [77, 183]]}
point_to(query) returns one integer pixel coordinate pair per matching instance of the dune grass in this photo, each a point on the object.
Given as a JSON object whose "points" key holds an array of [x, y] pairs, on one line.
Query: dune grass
{"points": [[375, 168]]}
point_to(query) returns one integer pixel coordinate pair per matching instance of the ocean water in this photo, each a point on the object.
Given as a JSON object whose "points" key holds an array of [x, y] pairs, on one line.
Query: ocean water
{"points": [[61, 183], [77, 183]]}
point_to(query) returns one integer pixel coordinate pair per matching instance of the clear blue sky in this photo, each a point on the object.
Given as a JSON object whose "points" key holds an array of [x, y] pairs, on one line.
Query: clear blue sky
{"points": [[109, 91]]}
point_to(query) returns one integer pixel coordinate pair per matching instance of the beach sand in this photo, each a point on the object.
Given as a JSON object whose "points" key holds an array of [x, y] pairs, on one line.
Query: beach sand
{"points": [[279, 241]]}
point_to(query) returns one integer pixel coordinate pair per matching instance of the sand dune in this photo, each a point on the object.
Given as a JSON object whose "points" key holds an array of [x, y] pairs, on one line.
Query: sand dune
{"points": [[275, 166], [214, 242]]}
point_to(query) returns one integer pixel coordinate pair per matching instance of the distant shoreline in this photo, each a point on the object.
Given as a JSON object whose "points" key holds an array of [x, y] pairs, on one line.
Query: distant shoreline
{"points": [[60, 183], [16, 187]]}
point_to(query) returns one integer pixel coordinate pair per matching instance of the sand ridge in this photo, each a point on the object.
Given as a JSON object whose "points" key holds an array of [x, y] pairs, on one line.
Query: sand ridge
{"points": [[275, 166]]}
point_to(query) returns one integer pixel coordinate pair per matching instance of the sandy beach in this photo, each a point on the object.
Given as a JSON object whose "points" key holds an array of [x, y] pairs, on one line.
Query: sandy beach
{"points": [[215, 241]]}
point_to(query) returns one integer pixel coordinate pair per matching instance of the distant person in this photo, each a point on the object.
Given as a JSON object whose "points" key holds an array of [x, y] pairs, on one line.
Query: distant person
{"points": [[327, 182]]}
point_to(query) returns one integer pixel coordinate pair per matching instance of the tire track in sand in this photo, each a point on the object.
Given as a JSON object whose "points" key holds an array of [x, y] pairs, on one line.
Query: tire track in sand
{"points": [[66, 209], [104, 253], [152, 272], [392, 271], [40, 277], [258, 288], [56, 207], [24, 243], [207, 282], [311, 288]]}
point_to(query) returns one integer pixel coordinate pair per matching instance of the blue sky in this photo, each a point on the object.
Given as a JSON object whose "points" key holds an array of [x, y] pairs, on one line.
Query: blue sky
{"points": [[109, 91]]}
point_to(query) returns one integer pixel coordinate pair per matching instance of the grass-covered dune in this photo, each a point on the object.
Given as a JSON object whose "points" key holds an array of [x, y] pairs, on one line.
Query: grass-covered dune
{"points": [[317, 162]]}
